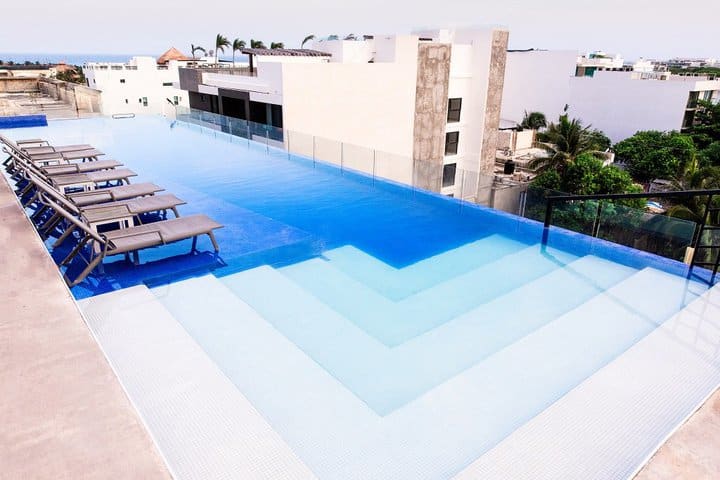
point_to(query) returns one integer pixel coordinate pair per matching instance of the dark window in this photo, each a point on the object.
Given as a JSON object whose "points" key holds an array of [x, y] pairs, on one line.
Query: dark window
{"points": [[451, 143], [167, 84], [122, 80], [126, 101], [449, 175], [144, 101], [454, 105]]}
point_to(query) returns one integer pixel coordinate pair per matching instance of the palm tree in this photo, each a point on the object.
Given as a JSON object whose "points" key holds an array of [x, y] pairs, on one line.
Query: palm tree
{"points": [[534, 120], [307, 39], [564, 141], [237, 45], [220, 44], [276, 45], [257, 44], [196, 48]]}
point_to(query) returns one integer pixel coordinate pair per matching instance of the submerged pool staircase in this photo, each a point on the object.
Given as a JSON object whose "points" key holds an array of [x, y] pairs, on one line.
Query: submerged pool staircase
{"points": [[342, 366]]}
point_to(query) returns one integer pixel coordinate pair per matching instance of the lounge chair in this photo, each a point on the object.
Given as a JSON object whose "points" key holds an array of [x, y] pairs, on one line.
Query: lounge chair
{"points": [[58, 149], [124, 212], [112, 194], [90, 180], [55, 158], [85, 167], [132, 239]]}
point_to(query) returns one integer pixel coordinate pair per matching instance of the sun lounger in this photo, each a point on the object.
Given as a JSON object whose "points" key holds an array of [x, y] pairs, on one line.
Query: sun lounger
{"points": [[122, 212], [55, 158], [32, 142], [132, 239], [58, 149], [111, 194], [88, 181], [85, 167]]}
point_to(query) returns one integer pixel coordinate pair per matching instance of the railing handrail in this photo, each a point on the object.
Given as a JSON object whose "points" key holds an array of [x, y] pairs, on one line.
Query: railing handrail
{"points": [[622, 196]]}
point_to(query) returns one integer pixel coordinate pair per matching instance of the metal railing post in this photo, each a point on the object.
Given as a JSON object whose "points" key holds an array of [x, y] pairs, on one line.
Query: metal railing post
{"points": [[248, 133], [548, 220], [267, 141], [596, 222]]}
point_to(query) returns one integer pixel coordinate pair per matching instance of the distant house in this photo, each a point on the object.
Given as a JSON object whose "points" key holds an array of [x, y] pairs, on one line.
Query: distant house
{"points": [[143, 85]]}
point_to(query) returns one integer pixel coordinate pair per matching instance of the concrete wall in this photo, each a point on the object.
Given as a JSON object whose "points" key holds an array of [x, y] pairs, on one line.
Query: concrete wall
{"points": [[85, 100], [620, 105], [370, 105], [431, 104], [494, 100], [18, 84], [537, 81]]}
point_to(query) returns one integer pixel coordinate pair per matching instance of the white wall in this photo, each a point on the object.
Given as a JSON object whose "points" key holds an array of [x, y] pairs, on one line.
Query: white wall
{"points": [[537, 81], [142, 78], [370, 105], [620, 106]]}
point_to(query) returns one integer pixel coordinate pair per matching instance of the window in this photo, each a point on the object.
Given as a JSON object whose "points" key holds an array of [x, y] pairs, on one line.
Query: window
{"points": [[122, 80], [143, 100], [167, 84], [451, 143], [176, 100], [126, 101], [454, 105], [449, 175]]}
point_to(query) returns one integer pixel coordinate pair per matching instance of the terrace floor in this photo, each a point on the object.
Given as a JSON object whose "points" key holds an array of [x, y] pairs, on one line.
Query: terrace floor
{"points": [[62, 410]]}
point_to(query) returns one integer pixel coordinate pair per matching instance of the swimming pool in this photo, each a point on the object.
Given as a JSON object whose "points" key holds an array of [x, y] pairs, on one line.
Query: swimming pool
{"points": [[376, 331]]}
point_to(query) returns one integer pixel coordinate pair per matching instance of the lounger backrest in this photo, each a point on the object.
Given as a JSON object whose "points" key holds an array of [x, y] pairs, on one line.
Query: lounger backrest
{"points": [[44, 187], [11, 145], [48, 200]]}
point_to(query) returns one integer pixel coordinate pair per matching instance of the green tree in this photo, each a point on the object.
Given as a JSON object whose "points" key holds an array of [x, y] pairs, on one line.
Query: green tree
{"points": [[307, 39], [534, 120], [276, 45], [236, 46], [706, 126], [587, 175], [257, 44], [653, 154], [196, 48], [564, 141], [599, 140], [710, 155], [220, 43]]}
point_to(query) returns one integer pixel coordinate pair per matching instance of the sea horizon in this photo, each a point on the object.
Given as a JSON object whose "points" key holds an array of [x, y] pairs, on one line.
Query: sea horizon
{"points": [[81, 58]]}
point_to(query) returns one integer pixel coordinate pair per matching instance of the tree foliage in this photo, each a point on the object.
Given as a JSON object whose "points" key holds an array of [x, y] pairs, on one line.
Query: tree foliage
{"points": [[564, 141], [534, 120], [307, 39], [587, 175], [706, 126], [652, 154], [220, 43]]}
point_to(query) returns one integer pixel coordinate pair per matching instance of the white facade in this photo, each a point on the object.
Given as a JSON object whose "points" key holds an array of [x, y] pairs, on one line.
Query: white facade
{"points": [[140, 86], [364, 96], [620, 103]]}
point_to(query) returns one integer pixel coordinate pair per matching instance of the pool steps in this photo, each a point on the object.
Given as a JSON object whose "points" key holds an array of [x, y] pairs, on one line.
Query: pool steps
{"points": [[271, 337]]}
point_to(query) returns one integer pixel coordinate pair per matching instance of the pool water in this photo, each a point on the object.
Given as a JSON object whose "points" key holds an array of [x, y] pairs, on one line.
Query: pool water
{"points": [[383, 332]]}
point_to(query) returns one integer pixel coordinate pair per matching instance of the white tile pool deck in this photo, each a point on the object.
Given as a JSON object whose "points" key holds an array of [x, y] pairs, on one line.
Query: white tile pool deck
{"points": [[84, 426]]}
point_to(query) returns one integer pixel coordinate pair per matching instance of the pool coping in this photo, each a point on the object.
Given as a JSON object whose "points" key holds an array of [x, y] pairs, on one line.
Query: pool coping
{"points": [[66, 406]]}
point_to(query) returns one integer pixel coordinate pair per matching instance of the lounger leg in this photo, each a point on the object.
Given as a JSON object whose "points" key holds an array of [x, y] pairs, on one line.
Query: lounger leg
{"points": [[174, 209], [136, 258], [65, 234], [91, 266], [38, 212], [194, 245], [49, 226], [30, 201], [214, 242], [75, 250]]}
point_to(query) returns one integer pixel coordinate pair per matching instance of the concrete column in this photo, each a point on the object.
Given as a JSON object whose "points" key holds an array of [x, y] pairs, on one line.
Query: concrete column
{"points": [[431, 103]]}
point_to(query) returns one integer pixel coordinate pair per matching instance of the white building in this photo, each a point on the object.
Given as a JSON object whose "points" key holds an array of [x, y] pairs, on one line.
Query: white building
{"points": [[143, 85], [427, 104], [619, 103]]}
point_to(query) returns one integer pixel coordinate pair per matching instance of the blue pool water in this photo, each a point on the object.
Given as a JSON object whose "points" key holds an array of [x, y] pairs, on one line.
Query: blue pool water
{"points": [[392, 318]]}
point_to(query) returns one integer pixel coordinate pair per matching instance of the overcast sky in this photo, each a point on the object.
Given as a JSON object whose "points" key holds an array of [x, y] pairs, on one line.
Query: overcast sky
{"points": [[634, 28]]}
